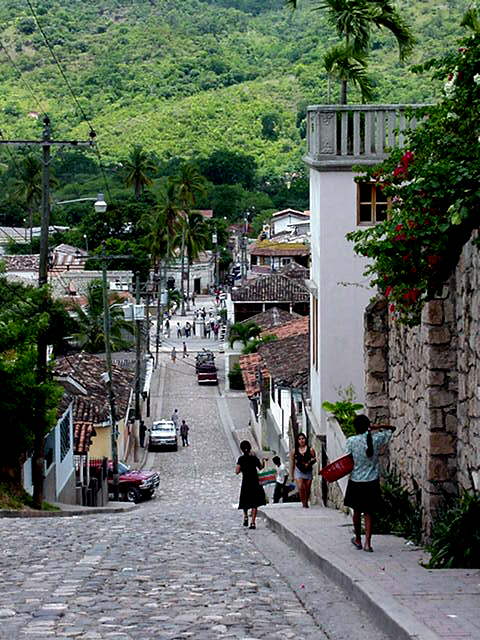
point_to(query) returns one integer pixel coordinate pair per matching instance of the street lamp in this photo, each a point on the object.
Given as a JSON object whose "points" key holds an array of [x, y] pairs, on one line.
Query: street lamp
{"points": [[215, 242]]}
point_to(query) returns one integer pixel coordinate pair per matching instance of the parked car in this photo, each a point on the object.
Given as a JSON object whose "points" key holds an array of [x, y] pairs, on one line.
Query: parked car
{"points": [[205, 368], [133, 485], [162, 433]]}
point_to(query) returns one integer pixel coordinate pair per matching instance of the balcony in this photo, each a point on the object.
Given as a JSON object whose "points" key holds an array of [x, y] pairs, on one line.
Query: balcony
{"points": [[339, 136]]}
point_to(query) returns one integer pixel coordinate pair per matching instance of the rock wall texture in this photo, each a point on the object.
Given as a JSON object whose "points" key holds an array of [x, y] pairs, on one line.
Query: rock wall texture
{"points": [[426, 381]]}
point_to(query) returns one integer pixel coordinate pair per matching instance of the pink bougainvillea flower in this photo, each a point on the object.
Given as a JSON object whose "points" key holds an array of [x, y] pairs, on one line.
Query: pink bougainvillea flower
{"points": [[399, 227], [391, 308], [412, 224], [433, 260], [399, 171], [388, 291], [407, 158], [400, 237]]}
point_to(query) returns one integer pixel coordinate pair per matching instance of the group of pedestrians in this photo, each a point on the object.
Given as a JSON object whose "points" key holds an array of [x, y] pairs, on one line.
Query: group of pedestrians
{"points": [[363, 494], [181, 428]]}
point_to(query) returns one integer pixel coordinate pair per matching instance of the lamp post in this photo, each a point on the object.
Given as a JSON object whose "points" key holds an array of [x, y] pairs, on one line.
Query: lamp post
{"points": [[215, 266], [100, 207]]}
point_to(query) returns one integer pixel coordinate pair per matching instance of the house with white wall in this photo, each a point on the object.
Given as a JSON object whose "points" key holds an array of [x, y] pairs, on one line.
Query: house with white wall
{"points": [[339, 138], [283, 220]]}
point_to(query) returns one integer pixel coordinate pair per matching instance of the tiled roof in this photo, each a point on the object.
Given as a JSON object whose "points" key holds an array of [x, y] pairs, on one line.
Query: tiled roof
{"points": [[271, 288], [250, 366], [93, 408], [83, 433], [289, 212], [295, 327], [288, 360], [21, 263], [274, 317], [295, 271]]}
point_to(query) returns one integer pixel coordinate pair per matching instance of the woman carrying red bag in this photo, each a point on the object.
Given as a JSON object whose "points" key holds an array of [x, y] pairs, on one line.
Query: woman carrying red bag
{"points": [[363, 489]]}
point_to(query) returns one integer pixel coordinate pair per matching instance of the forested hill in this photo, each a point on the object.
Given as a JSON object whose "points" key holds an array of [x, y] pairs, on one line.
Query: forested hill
{"points": [[186, 77]]}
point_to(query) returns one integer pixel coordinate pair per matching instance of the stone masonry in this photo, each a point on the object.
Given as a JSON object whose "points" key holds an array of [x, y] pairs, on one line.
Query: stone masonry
{"points": [[426, 381]]}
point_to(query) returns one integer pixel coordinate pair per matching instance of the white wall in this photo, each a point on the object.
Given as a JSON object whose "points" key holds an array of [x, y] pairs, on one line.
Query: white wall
{"points": [[341, 308], [282, 223], [65, 468]]}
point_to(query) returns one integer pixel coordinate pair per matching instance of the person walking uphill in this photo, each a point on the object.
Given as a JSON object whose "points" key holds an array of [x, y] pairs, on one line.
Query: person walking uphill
{"points": [[184, 429], [252, 494], [363, 489], [302, 459]]}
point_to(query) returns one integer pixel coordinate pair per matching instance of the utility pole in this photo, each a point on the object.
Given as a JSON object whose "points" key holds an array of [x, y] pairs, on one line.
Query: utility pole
{"points": [[138, 339], [159, 313], [109, 382], [42, 376]]}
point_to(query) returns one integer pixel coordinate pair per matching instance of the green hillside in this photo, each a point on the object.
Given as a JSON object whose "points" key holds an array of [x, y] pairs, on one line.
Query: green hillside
{"points": [[186, 78]]}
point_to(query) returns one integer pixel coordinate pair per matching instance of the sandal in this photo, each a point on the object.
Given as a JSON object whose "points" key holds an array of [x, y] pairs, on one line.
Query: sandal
{"points": [[252, 526], [369, 549], [357, 545], [245, 522]]}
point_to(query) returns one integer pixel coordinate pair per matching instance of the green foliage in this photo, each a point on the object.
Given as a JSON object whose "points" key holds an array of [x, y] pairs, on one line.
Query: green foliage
{"points": [[235, 378], [344, 410], [25, 314], [243, 331], [184, 79], [434, 193], [400, 512], [455, 538], [253, 345], [16, 498], [229, 167], [89, 333]]}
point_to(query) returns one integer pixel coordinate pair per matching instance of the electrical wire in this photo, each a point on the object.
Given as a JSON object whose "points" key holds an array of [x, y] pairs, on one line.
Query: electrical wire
{"points": [[93, 133], [9, 151], [22, 79]]}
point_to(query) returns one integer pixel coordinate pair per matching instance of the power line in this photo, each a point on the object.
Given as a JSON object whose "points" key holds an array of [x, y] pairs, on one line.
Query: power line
{"points": [[62, 72], [72, 93], [22, 79]]}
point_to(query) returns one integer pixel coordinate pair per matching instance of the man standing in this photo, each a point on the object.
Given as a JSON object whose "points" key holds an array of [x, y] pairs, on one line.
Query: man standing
{"points": [[184, 429], [175, 419], [280, 479]]}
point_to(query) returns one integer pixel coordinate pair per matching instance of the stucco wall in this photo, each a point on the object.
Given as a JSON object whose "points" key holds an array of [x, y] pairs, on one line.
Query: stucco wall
{"points": [[425, 380], [342, 290]]}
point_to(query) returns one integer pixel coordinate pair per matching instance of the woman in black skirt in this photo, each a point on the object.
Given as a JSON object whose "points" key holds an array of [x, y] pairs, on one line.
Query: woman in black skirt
{"points": [[252, 494], [363, 489]]}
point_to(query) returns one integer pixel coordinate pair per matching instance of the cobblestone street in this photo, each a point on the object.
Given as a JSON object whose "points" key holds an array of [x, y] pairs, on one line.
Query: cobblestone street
{"points": [[179, 566]]}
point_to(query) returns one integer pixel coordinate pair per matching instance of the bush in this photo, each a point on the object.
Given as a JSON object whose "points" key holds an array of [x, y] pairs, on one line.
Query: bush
{"points": [[455, 540], [400, 513], [235, 378], [344, 410]]}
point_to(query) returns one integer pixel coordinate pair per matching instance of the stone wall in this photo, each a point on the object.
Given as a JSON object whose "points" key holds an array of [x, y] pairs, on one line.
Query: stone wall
{"points": [[425, 380]]}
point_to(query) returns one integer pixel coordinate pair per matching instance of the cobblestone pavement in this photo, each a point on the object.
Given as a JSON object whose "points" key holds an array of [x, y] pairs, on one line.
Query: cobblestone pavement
{"points": [[179, 566]]}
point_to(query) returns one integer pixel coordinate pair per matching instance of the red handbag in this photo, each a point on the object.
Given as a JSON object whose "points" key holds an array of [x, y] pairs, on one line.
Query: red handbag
{"points": [[337, 469]]}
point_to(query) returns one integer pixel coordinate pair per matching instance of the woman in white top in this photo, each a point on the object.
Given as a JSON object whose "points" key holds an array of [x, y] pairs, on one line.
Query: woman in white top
{"points": [[363, 489]]}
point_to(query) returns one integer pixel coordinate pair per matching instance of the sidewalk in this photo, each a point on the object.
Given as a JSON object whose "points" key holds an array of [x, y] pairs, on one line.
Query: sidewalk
{"points": [[406, 600]]}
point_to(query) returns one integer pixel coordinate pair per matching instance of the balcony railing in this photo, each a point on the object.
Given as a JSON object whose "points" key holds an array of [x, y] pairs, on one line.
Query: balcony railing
{"points": [[339, 136]]}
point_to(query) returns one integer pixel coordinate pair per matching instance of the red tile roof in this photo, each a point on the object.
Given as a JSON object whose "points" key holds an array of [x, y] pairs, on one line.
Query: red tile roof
{"points": [[93, 408], [288, 360], [271, 318], [266, 248], [250, 366], [296, 327], [271, 288]]}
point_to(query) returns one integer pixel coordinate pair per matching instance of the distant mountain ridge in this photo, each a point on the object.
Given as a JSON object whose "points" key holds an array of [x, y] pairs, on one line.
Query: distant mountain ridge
{"points": [[186, 78]]}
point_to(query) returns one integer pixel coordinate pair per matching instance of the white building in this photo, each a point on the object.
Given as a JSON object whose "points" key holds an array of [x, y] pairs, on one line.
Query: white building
{"points": [[340, 137], [282, 220]]}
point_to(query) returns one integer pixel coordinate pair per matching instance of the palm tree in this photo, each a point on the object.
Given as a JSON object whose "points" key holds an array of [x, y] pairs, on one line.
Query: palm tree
{"points": [[197, 236], [28, 186], [243, 332], [190, 184], [344, 64], [90, 333], [138, 168], [353, 21]]}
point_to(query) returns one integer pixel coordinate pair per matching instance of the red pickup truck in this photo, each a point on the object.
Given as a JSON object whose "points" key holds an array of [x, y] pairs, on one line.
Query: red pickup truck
{"points": [[133, 485]]}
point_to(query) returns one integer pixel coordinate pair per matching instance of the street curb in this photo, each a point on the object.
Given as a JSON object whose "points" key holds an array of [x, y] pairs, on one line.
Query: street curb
{"points": [[86, 511], [391, 618]]}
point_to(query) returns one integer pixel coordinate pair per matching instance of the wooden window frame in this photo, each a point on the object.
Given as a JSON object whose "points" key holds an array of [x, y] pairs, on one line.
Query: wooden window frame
{"points": [[374, 190]]}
